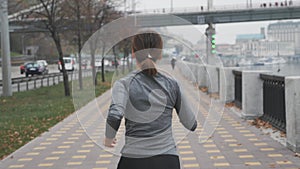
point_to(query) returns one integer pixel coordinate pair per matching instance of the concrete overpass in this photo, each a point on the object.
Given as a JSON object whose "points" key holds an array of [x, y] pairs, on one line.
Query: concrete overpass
{"points": [[218, 17], [199, 17]]}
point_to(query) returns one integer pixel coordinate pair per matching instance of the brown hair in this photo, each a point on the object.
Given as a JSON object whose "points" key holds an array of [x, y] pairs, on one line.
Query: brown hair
{"points": [[147, 47]]}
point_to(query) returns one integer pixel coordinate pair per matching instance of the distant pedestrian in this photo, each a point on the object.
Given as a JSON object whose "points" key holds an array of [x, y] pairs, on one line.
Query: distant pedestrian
{"points": [[173, 61]]}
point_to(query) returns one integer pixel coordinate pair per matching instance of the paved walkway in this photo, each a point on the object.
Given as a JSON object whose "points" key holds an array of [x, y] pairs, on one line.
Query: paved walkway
{"points": [[234, 145]]}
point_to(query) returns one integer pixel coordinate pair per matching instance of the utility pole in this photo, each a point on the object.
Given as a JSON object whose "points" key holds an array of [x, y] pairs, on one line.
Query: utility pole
{"points": [[125, 8], [133, 6], [5, 50], [209, 5]]}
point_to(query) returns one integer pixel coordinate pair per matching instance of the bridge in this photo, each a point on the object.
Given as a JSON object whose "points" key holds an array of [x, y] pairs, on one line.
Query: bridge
{"points": [[198, 15], [22, 22], [222, 16]]}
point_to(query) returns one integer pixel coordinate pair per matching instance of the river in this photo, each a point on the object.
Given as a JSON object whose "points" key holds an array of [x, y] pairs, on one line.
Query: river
{"points": [[285, 69]]}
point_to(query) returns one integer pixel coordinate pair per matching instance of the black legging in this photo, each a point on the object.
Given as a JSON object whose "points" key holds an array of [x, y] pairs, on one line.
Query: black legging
{"points": [[154, 162]]}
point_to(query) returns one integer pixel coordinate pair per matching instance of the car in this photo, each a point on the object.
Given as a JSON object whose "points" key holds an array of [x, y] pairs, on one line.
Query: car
{"points": [[34, 68], [70, 64], [22, 67], [113, 62], [126, 60], [43, 63], [98, 63], [84, 64]]}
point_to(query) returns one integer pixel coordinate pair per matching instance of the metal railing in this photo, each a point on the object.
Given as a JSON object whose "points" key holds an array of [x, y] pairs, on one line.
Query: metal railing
{"points": [[274, 101], [237, 88], [224, 7], [29, 83]]}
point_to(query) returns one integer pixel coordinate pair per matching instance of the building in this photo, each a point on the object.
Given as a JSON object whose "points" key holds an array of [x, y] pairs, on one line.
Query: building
{"points": [[285, 32], [248, 44], [258, 45]]}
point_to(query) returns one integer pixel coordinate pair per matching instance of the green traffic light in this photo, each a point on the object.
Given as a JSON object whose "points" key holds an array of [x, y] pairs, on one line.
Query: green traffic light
{"points": [[213, 46], [213, 51], [213, 41], [213, 36]]}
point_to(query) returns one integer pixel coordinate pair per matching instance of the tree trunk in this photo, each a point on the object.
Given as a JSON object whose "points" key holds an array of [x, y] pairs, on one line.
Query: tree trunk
{"points": [[60, 53], [115, 60], [79, 45], [102, 70], [102, 63], [92, 48]]}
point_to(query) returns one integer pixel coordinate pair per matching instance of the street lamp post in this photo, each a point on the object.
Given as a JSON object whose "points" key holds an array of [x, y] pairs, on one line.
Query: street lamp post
{"points": [[171, 5], [6, 64], [125, 10], [209, 5]]}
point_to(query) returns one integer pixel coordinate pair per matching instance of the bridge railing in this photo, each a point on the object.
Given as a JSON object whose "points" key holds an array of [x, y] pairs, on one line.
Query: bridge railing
{"points": [[203, 8]]}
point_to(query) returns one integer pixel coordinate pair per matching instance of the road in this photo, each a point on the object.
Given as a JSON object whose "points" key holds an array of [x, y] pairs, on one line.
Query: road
{"points": [[15, 71]]}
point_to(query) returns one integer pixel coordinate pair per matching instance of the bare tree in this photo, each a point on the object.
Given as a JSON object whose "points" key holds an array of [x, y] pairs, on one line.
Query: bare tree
{"points": [[76, 9], [53, 15], [93, 14], [98, 15]]}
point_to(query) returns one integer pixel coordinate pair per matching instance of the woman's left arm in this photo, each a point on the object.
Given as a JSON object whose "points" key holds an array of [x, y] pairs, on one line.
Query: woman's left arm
{"points": [[115, 113]]}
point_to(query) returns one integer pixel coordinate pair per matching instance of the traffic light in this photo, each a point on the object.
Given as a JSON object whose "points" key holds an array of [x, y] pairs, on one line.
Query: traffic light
{"points": [[213, 43]]}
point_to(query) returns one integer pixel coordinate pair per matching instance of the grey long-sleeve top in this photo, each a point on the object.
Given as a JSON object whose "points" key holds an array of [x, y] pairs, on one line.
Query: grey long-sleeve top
{"points": [[147, 103]]}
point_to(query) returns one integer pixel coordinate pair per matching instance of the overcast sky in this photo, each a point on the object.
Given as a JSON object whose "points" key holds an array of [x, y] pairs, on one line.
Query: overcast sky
{"points": [[226, 33]]}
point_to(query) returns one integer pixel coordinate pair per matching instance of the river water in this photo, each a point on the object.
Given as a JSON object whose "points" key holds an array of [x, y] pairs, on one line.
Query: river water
{"points": [[285, 69]]}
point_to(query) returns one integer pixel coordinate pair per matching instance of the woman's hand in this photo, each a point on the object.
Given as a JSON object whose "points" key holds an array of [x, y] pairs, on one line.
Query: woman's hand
{"points": [[109, 142]]}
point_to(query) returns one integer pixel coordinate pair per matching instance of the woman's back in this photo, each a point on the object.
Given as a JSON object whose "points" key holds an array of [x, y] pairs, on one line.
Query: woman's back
{"points": [[148, 114]]}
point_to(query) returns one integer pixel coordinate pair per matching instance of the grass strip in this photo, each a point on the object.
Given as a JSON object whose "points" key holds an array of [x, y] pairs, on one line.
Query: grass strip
{"points": [[26, 115]]}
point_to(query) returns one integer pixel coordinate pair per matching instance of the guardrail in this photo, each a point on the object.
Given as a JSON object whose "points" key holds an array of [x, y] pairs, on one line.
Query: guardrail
{"points": [[274, 101], [29, 83]]}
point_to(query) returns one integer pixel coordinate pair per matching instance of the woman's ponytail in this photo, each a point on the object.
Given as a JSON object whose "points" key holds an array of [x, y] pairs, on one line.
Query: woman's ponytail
{"points": [[147, 48], [148, 66]]}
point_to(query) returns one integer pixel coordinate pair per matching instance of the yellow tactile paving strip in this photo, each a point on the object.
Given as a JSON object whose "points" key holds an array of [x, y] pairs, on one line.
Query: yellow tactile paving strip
{"points": [[233, 145]]}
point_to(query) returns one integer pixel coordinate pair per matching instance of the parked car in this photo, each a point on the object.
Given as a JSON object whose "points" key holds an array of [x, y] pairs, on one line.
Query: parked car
{"points": [[34, 68], [70, 64]]}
